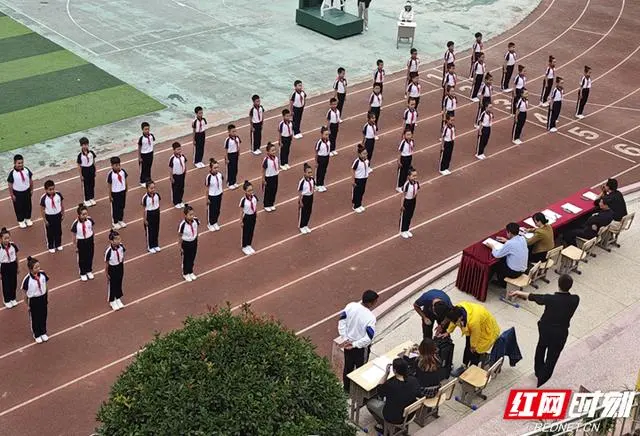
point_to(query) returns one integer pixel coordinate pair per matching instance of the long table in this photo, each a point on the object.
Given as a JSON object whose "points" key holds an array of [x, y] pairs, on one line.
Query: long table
{"points": [[477, 262]]}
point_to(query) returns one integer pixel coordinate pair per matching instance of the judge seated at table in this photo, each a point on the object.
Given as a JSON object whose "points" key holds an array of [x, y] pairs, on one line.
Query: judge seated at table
{"points": [[406, 15], [428, 367], [542, 239], [394, 394], [603, 217], [616, 200], [513, 255]]}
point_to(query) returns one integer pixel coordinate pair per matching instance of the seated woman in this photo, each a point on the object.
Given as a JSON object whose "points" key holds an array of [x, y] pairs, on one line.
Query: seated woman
{"points": [[542, 240], [429, 370], [406, 15]]}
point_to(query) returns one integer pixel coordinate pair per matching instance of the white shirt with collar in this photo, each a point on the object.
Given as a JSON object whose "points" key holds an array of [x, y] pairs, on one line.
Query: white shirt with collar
{"points": [[410, 190], [323, 148], [357, 325], [145, 143], [118, 181], [189, 231], [52, 204], [35, 285], [21, 180], [114, 256], [361, 168], [249, 206], [178, 164], [151, 202], [369, 131], [214, 183], [232, 144], [8, 254], [84, 229], [306, 186]]}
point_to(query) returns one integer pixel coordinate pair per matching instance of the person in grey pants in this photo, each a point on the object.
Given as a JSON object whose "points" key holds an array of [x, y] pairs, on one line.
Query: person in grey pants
{"points": [[363, 12]]}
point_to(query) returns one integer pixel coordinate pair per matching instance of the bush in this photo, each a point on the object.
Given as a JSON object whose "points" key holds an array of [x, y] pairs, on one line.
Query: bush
{"points": [[225, 374]]}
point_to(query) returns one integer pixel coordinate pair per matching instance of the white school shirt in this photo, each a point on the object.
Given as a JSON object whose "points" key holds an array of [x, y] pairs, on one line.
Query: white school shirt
{"points": [[189, 231], [146, 143], [478, 68], [84, 229], [510, 58], [486, 90], [369, 131], [306, 187], [413, 65], [448, 133], [406, 147], [375, 100], [232, 144], [450, 79], [520, 81], [357, 324], [323, 148], [151, 202], [35, 286], [485, 119], [256, 114], [271, 166], [298, 98], [21, 179], [550, 73], [118, 181], [214, 183], [178, 164], [285, 128], [477, 47], [52, 205], [340, 85], [361, 167], [449, 57], [249, 205], [378, 76], [410, 116], [333, 117], [556, 94], [199, 125], [413, 90], [449, 103], [8, 254], [522, 105], [114, 256], [86, 160], [585, 82], [410, 190]]}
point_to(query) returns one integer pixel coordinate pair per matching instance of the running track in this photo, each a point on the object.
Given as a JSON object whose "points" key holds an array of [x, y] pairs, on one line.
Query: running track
{"points": [[57, 387]]}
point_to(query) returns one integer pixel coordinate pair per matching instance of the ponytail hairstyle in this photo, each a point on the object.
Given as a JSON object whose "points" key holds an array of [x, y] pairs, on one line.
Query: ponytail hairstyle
{"points": [[520, 68], [551, 58], [323, 129], [587, 68], [450, 87], [113, 234], [4, 231], [80, 208], [187, 208], [246, 185], [305, 168], [411, 171], [539, 216], [361, 148], [212, 162], [149, 183], [488, 76], [270, 146], [31, 261]]}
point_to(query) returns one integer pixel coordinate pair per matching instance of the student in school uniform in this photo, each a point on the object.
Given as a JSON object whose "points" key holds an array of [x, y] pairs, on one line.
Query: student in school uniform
{"points": [[83, 231], [340, 88], [375, 102], [188, 240], [556, 105], [361, 170], [199, 126], [114, 270], [520, 118], [408, 206], [476, 49], [414, 89], [410, 116], [117, 179], [333, 121], [8, 268], [145, 153], [547, 81], [52, 211], [256, 119], [285, 130], [20, 182], [478, 70], [323, 147], [270, 171], [378, 75], [583, 92], [405, 158], [510, 59], [484, 122], [177, 175], [485, 93], [413, 65], [306, 188], [519, 85], [232, 146], [248, 214], [34, 286], [448, 141], [87, 167], [214, 185], [296, 106], [449, 58], [151, 217], [369, 135], [449, 79], [449, 106]]}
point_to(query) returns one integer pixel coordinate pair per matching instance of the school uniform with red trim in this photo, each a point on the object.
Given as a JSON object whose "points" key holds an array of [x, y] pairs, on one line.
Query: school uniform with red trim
{"points": [[35, 288], [519, 85], [522, 106], [449, 106], [118, 186], [485, 94], [378, 78], [406, 158], [369, 131], [362, 170], [178, 168], [21, 184], [285, 129], [547, 84], [478, 77], [232, 146], [215, 185], [114, 257], [271, 167], [583, 95], [413, 91], [306, 188], [189, 243], [145, 145], [477, 47], [410, 118], [448, 141], [340, 86], [52, 205], [507, 71], [413, 66], [298, 101], [9, 272], [199, 126], [333, 121], [84, 231], [151, 205], [87, 162], [410, 192], [322, 159], [448, 58], [249, 206], [555, 107], [375, 105], [256, 115], [484, 122]]}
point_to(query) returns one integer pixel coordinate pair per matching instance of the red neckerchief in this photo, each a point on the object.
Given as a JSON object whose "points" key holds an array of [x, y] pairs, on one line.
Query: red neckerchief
{"points": [[119, 177], [253, 207], [84, 228], [37, 279], [21, 174], [193, 232], [310, 182], [53, 203], [180, 161], [117, 252], [8, 250], [257, 108]]}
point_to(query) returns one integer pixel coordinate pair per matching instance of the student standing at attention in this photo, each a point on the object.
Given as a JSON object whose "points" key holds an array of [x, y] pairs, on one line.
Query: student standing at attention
{"points": [[375, 102], [478, 76], [199, 126], [34, 286], [114, 269], [410, 116], [356, 325], [484, 122], [583, 92], [188, 240], [404, 159], [8, 268], [412, 65], [340, 88], [296, 106], [177, 175], [145, 153], [378, 74], [556, 105], [52, 211], [510, 59], [485, 94], [232, 146], [248, 215], [285, 130], [151, 217], [323, 147], [214, 195], [408, 206], [448, 141], [519, 86], [547, 81], [476, 49], [20, 181], [87, 166], [449, 58], [333, 121], [256, 117], [270, 171], [520, 118], [449, 105], [414, 89], [361, 170], [82, 229], [449, 79], [117, 179], [306, 188], [369, 135]]}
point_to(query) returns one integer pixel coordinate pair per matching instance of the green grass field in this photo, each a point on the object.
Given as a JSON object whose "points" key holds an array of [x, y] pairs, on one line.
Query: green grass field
{"points": [[49, 92]]}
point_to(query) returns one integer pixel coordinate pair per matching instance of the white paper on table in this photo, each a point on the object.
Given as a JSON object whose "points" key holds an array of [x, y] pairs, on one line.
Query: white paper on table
{"points": [[551, 215], [529, 221], [571, 208], [590, 196], [382, 362], [493, 243], [373, 374]]}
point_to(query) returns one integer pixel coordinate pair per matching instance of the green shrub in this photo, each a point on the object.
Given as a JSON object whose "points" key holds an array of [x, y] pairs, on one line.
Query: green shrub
{"points": [[225, 374]]}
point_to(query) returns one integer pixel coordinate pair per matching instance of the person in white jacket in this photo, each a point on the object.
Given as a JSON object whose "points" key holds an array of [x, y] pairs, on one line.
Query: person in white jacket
{"points": [[406, 15]]}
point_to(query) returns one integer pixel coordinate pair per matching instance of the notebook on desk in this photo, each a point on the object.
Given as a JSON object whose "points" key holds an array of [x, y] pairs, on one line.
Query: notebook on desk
{"points": [[552, 216], [590, 196], [571, 208], [529, 222], [493, 243]]}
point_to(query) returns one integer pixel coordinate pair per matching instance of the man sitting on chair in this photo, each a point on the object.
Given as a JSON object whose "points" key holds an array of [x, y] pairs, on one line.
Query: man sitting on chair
{"points": [[590, 229], [406, 15], [513, 255]]}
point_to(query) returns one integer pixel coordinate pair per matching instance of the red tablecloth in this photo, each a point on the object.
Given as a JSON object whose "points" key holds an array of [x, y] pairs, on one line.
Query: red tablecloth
{"points": [[476, 263]]}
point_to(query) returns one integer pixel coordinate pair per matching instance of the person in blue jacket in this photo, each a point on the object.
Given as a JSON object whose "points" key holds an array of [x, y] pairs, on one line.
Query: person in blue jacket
{"points": [[432, 306]]}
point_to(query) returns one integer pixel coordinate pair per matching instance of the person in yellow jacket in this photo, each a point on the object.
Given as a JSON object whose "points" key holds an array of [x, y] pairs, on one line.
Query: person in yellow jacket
{"points": [[638, 382], [478, 325]]}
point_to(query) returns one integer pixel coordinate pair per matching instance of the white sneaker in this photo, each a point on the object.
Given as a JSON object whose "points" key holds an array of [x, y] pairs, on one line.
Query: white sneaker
{"points": [[302, 230], [116, 226], [216, 227], [232, 187], [52, 250], [362, 208], [152, 250], [211, 227], [178, 206], [273, 208], [143, 185], [90, 275], [39, 340], [119, 303], [322, 189], [475, 126], [366, 28], [22, 224], [193, 276], [45, 338], [59, 248], [297, 136], [508, 90], [307, 229], [445, 172], [9, 305], [553, 130], [410, 234], [404, 235], [331, 153], [481, 156], [14, 303], [28, 222], [157, 249], [87, 203], [251, 250], [517, 142], [122, 224], [376, 138], [93, 202], [246, 251], [335, 152], [579, 117], [267, 209], [399, 189], [475, 99], [114, 305], [257, 152], [358, 209], [545, 104], [83, 277], [187, 277]]}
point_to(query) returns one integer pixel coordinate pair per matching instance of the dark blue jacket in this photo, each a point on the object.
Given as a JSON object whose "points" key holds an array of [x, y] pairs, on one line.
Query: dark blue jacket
{"points": [[506, 345]]}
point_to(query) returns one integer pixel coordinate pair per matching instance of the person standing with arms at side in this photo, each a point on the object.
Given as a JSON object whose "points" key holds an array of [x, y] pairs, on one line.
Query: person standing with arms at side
{"points": [[117, 180], [232, 146], [485, 94], [409, 194], [363, 12], [476, 49], [285, 131], [34, 286], [199, 126], [361, 170], [448, 141], [306, 188], [485, 119], [256, 117], [82, 229], [323, 147], [248, 214], [214, 195], [449, 79], [333, 121], [20, 182], [510, 59], [356, 325], [151, 217], [87, 166], [340, 88], [553, 326], [478, 76], [413, 65], [114, 270], [449, 58], [520, 118], [449, 106], [177, 175], [52, 210], [145, 153], [426, 305], [519, 86], [404, 159], [369, 135], [8, 268], [547, 81], [556, 105], [188, 240], [414, 89], [375, 102], [583, 92], [378, 74], [270, 171], [410, 116], [296, 107]]}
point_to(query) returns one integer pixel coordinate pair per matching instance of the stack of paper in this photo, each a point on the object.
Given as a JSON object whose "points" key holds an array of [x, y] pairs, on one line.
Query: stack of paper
{"points": [[529, 222], [373, 374], [571, 208], [590, 196], [382, 362], [552, 216], [493, 243]]}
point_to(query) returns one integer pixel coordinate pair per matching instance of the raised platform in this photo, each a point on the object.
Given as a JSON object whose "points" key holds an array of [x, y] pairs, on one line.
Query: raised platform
{"points": [[335, 24]]}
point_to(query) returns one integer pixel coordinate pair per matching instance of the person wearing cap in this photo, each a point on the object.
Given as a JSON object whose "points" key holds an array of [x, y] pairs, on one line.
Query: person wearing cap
{"points": [[616, 200], [357, 327], [432, 306], [589, 230], [406, 15]]}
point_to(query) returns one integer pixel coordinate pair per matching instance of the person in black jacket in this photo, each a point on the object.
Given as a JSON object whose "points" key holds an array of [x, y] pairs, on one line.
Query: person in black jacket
{"points": [[616, 200], [590, 229]]}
